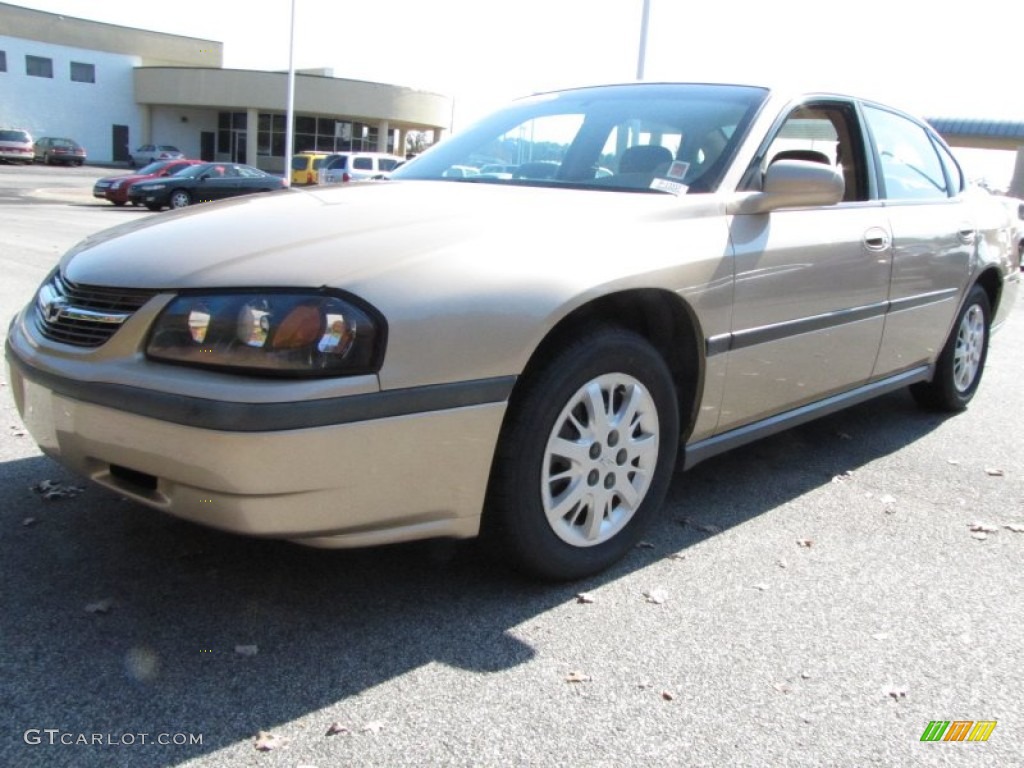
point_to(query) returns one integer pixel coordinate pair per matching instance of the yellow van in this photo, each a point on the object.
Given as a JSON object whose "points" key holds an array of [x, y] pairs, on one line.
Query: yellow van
{"points": [[305, 166]]}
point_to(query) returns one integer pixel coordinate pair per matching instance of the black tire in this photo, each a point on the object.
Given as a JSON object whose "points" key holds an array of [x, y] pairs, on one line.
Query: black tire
{"points": [[962, 360], [179, 198], [118, 203], [601, 501], [153, 206]]}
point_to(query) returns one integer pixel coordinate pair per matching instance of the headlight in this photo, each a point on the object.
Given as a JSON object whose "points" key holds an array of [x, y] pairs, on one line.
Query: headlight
{"points": [[116, 185], [284, 334]]}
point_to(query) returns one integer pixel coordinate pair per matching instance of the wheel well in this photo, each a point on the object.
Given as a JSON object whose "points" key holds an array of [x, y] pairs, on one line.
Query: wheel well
{"points": [[989, 281], [657, 315]]}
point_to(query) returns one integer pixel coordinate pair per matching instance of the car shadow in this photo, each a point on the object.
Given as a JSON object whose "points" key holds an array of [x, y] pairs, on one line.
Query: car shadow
{"points": [[120, 620]]}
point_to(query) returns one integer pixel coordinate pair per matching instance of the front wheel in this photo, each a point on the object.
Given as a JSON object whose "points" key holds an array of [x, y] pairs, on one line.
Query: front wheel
{"points": [[962, 361], [585, 457], [180, 199]]}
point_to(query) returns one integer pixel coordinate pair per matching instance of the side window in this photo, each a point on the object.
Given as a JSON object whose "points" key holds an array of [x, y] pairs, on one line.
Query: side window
{"points": [[911, 168], [953, 172], [387, 164], [826, 133], [362, 163], [3, 61]]}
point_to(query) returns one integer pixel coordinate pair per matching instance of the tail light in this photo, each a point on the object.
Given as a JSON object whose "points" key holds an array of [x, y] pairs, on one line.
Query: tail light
{"points": [[345, 177], [309, 177]]}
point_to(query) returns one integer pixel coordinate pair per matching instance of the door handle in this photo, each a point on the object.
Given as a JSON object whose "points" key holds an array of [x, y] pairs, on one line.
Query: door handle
{"points": [[876, 239]]}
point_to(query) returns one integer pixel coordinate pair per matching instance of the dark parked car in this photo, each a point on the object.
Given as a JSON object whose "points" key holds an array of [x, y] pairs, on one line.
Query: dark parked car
{"points": [[50, 150], [202, 183], [115, 188]]}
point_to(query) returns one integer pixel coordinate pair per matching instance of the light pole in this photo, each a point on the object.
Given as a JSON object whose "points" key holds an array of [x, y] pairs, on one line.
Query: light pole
{"points": [[642, 56], [289, 129]]}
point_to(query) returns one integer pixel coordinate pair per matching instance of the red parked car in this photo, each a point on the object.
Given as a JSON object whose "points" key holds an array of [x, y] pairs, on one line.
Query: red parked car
{"points": [[115, 188]]}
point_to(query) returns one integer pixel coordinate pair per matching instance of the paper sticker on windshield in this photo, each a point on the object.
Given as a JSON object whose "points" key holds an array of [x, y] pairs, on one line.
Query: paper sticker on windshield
{"points": [[678, 170], [672, 187]]}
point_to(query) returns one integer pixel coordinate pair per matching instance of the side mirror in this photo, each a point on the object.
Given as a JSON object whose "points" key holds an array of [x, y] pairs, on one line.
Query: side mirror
{"points": [[793, 184]]}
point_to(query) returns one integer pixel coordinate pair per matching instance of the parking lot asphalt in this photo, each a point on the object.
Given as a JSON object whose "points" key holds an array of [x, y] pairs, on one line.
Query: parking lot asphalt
{"points": [[817, 598]]}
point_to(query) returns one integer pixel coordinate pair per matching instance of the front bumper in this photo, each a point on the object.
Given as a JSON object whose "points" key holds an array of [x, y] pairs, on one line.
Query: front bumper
{"points": [[368, 481]]}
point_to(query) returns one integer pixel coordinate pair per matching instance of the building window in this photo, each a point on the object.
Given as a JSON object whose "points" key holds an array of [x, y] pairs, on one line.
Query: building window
{"points": [[3, 61], [37, 66], [83, 73]]}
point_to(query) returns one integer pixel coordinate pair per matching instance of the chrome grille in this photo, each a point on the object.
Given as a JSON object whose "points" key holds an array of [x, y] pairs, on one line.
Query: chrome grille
{"points": [[84, 315]]}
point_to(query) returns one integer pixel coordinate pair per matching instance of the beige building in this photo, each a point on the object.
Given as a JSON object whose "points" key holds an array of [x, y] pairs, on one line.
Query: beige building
{"points": [[115, 88]]}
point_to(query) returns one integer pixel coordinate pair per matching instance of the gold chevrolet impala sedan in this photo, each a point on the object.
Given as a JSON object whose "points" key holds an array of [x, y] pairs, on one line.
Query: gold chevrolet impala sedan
{"points": [[659, 273]]}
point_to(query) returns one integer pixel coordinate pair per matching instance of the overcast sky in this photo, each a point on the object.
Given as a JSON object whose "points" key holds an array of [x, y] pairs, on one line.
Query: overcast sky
{"points": [[913, 54]]}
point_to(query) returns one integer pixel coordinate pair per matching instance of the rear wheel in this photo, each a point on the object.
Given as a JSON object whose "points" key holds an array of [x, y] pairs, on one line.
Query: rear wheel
{"points": [[585, 457], [962, 361], [180, 198], [118, 203]]}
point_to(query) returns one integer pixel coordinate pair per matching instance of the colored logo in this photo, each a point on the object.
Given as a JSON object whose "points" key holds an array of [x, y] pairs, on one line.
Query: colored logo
{"points": [[958, 730]]}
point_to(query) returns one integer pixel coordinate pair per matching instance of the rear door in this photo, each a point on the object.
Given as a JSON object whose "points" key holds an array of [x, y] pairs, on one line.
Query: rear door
{"points": [[933, 238]]}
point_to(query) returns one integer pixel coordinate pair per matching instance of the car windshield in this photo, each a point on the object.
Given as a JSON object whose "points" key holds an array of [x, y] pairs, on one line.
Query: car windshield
{"points": [[152, 168], [14, 136], [166, 148], [668, 138], [192, 171]]}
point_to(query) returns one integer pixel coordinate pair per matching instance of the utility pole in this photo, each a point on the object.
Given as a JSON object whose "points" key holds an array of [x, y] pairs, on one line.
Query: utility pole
{"points": [[641, 58], [289, 130]]}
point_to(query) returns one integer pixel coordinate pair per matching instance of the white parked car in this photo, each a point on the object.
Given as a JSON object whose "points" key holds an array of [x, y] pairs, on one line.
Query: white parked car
{"points": [[150, 153], [343, 167]]}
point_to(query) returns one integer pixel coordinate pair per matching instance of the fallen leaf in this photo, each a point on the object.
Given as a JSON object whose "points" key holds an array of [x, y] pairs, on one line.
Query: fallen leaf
{"points": [[843, 477], [805, 675], [677, 556], [266, 741], [585, 598], [992, 472], [707, 528], [880, 636], [374, 727], [781, 687], [577, 677], [979, 536], [888, 500], [28, 521], [954, 462], [668, 695], [760, 587], [50, 490], [782, 563], [247, 650], [645, 545], [844, 436], [982, 527], [335, 728], [100, 606], [805, 543], [1014, 527], [656, 596], [898, 693]]}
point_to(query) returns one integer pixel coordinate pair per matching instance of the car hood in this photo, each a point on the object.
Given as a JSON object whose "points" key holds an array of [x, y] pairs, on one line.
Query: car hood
{"points": [[343, 237]]}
